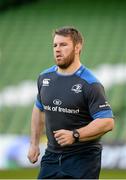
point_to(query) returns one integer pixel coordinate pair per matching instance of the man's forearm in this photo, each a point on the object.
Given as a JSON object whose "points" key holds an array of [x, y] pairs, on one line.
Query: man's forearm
{"points": [[91, 137], [37, 125], [96, 129]]}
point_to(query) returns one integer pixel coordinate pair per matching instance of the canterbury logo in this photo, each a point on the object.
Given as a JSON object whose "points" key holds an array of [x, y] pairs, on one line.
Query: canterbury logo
{"points": [[45, 82]]}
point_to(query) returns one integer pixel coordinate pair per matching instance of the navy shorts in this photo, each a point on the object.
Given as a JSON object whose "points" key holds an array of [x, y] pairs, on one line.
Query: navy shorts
{"points": [[77, 165]]}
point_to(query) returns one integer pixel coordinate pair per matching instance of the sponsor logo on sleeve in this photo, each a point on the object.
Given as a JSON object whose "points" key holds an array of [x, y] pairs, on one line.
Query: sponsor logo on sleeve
{"points": [[104, 105]]}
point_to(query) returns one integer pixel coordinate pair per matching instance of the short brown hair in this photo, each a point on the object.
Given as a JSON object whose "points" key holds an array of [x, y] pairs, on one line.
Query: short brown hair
{"points": [[71, 32]]}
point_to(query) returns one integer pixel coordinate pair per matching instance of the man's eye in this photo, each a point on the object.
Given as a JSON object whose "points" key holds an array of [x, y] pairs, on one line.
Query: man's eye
{"points": [[63, 44], [54, 45]]}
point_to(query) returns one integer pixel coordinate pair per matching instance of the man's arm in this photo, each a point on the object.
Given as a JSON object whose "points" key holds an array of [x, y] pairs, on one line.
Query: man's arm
{"points": [[37, 125], [93, 130]]}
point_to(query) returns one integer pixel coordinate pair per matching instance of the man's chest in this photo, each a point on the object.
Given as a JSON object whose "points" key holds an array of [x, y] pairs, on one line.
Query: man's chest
{"points": [[64, 92]]}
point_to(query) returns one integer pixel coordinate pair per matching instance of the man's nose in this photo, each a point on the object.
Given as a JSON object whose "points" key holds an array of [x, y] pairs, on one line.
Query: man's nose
{"points": [[57, 48]]}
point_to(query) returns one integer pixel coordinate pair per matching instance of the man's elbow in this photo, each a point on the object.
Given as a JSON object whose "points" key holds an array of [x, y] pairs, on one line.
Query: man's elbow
{"points": [[110, 124]]}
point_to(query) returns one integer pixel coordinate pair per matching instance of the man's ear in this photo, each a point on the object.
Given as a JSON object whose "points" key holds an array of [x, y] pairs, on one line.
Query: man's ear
{"points": [[78, 48]]}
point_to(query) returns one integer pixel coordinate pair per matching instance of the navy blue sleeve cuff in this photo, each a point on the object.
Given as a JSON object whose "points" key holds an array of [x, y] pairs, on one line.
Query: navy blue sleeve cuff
{"points": [[103, 114], [39, 105]]}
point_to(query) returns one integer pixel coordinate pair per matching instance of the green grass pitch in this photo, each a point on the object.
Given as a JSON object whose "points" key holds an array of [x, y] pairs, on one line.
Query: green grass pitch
{"points": [[32, 174]]}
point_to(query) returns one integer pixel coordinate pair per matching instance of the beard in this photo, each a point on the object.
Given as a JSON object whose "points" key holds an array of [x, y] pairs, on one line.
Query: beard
{"points": [[64, 63]]}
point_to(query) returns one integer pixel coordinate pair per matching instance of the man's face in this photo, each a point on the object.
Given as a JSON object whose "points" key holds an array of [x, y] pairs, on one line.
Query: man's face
{"points": [[64, 51]]}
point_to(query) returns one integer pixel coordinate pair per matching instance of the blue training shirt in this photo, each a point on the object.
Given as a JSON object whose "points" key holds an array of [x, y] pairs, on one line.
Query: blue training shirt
{"points": [[70, 102]]}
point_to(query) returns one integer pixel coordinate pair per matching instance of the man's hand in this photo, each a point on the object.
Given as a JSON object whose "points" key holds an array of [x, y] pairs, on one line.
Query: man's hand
{"points": [[64, 137], [33, 153]]}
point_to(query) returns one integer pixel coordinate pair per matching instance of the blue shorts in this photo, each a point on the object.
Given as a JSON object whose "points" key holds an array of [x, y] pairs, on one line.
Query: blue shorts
{"points": [[77, 165]]}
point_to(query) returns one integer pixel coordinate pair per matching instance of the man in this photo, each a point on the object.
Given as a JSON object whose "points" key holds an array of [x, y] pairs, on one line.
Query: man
{"points": [[73, 105]]}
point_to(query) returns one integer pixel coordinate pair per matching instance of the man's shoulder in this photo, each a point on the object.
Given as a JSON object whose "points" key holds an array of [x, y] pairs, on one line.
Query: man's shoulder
{"points": [[49, 70], [88, 76]]}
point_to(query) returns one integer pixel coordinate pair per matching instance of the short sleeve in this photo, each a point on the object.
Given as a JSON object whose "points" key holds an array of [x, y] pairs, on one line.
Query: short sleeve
{"points": [[38, 102], [97, 102]]}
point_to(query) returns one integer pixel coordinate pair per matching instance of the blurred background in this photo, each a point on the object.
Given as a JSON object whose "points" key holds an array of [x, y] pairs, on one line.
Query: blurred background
{"points": [[26, 28]]}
